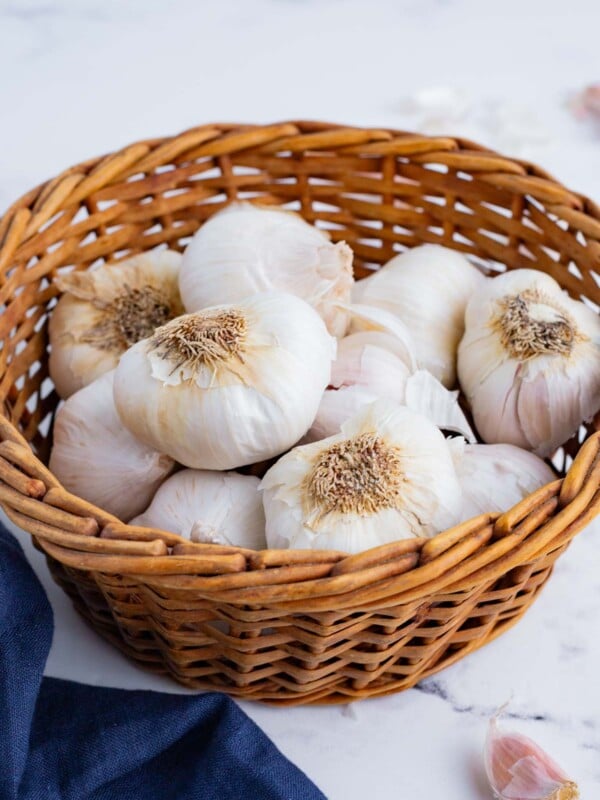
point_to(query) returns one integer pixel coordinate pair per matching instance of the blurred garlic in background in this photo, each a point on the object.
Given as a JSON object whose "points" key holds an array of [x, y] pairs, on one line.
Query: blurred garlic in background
{"points": [[215, 507]]}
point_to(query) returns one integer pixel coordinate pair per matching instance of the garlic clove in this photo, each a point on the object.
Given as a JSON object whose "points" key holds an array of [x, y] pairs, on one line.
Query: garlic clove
{"points": [[247, 249], [105, 310], [495, 477], [95, 457], [363, 364], [518, 769], [207, 506], [336, 407]]}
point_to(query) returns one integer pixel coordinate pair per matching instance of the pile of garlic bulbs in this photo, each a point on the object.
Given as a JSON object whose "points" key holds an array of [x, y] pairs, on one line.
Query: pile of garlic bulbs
{"points": [[258, 345]]}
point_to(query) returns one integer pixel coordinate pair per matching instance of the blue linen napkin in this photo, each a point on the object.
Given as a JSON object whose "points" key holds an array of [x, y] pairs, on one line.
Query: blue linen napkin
{"points": [[61, 740]]}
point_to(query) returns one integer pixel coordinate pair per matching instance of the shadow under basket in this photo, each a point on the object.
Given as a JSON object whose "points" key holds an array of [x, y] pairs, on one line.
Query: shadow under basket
{"points": [[279, 625]]}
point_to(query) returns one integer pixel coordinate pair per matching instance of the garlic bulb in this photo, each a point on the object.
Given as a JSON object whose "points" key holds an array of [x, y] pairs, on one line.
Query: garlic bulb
{"points": [[518, 769], [104, 311], [95, 457], [229, 385], [216, 507], [388, 475], [245, 249], [364, 370], [495, 477], [529, 362], [428, 287]]}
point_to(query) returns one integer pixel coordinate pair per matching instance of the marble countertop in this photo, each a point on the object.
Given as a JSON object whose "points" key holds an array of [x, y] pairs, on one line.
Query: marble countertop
{"points": [[82, 77]]}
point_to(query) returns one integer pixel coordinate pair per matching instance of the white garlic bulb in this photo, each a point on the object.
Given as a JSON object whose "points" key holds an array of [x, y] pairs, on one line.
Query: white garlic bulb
{"points": [[104, 311], [428, 287], [495, 477], [245, 249], [95, 457], [529, 362], [387, 476], [229, 385], [205, 506]]}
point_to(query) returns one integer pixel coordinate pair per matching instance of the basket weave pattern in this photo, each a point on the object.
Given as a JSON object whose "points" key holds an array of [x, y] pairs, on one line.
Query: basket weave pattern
{"points": [[288, 626]]}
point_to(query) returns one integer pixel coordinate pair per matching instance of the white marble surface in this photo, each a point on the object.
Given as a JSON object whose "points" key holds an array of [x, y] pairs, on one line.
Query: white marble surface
{"points": [[81, 77]]}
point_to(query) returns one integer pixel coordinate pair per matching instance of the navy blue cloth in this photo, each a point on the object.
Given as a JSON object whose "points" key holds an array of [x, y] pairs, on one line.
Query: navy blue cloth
{"points": [[61, 740]]}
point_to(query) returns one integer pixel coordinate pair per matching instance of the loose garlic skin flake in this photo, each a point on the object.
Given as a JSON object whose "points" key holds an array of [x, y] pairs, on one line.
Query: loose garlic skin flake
{"points": [[428, 288], [95, 457], [212, 507], [495, 477], [245, 249], [529, 362], [387, 476], [104, 311], [230, 385]]}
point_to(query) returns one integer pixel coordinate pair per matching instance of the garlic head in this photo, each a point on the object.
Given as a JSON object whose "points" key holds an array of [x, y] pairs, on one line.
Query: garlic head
{"points": [[104, 311], [387, 475], [428, 288], [529, 362], [206, 506], [495, 477], [245, 249], [95, 457], [230, 385]]}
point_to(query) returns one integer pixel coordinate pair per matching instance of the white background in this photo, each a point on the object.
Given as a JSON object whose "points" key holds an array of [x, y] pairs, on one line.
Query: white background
{"points": [[81, 77]]}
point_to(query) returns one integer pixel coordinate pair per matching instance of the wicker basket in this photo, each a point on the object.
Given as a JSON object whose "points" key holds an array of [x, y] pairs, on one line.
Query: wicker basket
{"points": [[288, 626]]}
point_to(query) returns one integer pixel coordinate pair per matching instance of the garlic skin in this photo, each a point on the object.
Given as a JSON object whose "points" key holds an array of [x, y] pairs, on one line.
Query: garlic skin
{"points": [[387, 476], [529, 362], [104, 311], [230, 385], [428, 288], [518, 769], [205, 506], [495, 477], [245, 249], [365, 370], [95, 457]]}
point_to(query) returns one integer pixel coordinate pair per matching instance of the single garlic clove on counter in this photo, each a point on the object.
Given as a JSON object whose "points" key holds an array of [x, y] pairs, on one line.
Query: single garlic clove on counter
{"points": [[529, 362], [495, 477], [246, 248], [428, 288], [104, 311], [518, 769], [95, 457], [205, 506], [230, 385], [387, 475]]}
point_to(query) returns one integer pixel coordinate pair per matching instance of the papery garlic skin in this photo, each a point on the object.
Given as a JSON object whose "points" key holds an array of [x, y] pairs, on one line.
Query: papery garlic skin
{"points": [[206, 506], [428, 288], [387, 476], [518, 769], [529, 362], [495, 477], [245, 249], [104, 311], [230, 385], [95, 457]]}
